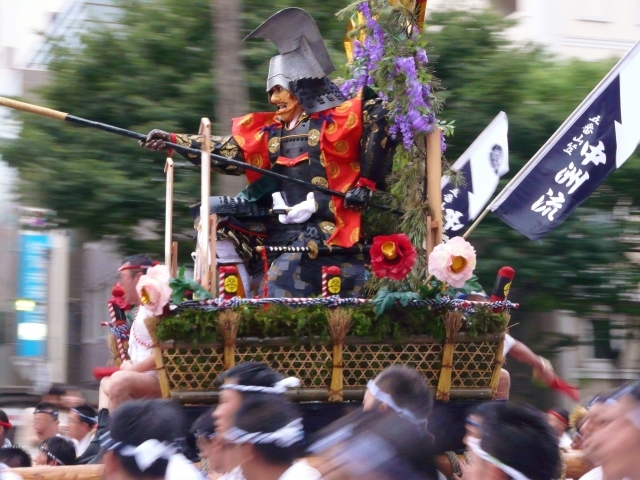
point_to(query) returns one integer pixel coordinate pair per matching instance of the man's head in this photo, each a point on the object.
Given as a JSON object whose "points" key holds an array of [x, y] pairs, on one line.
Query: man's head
{"points": [[474, 420], [372, 446], [304, 63], [514, 439], [129, 273], [266, 430], [82, 420], [15, 457], [253, 374], [406, 388], [142, 430], [5, 425], [45, 420], [614, 446], [55, 394], [558, 418], [594, 419], [210, 447], [288, 108], [55, 452]]}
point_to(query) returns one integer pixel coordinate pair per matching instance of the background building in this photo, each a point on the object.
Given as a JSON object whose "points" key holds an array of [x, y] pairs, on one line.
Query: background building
{"points": [[585, 29], [79, 276]]}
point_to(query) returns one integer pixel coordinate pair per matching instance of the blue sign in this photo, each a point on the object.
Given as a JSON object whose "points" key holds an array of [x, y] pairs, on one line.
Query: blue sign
{"points": [[31, 302]]}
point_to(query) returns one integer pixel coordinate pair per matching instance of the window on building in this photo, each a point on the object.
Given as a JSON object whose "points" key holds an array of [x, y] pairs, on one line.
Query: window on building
{"points": [[603, 335], [504, 7]]}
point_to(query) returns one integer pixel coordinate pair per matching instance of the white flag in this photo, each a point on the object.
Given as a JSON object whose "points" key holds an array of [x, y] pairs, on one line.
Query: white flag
{"points": [[481, 165]]}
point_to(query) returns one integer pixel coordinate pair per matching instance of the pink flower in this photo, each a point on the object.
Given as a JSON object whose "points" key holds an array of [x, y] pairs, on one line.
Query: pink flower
{"points": [[154, 290], [453, 262], [392, 256]]}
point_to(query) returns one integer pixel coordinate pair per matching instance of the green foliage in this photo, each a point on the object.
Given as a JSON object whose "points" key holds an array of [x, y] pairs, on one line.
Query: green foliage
{"points": [[310, 322], [387, 299], [405, 98], [152, 70], [183, 287]]}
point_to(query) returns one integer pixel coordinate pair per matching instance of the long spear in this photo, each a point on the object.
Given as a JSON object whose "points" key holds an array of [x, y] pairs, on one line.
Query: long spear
{"points": [[65, 117]]}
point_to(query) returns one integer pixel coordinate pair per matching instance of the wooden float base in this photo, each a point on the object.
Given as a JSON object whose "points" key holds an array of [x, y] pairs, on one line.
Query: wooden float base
{"points": [[577, 466]]}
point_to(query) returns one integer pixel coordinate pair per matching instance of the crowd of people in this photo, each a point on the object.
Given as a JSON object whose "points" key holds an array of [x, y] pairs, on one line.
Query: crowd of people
{"points": [[255, 433]]}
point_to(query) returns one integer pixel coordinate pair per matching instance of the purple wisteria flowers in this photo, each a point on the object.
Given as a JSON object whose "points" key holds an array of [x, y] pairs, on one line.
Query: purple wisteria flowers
{"points": [[417, 118], [397, 67], [367, 56]]}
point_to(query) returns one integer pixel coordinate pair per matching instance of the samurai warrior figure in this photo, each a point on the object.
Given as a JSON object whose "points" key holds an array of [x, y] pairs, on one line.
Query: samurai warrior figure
{"points": [[315, 134]]}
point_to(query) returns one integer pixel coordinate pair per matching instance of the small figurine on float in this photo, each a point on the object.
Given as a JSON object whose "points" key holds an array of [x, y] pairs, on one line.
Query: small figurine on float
{"points": [[315, 134]]}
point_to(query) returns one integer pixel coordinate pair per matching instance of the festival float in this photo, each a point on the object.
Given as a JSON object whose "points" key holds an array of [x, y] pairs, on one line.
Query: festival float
{"points": [[371, 286]]}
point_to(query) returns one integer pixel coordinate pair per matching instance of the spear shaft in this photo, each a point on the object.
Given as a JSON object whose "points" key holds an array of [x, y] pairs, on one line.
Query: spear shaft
{"points": [[47, 112]]}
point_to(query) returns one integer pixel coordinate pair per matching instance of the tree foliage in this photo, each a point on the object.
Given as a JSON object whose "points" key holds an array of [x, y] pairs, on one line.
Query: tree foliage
{"points": [[583, 263], [154, 70]]}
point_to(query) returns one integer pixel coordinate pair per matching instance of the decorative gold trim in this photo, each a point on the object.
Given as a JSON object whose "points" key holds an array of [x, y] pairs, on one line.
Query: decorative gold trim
{"points": [[321, 181], [314, 137], [274, 144]]}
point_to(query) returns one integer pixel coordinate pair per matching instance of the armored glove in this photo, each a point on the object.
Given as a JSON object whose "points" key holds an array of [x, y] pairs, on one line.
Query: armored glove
{"points": [[357, 198]]}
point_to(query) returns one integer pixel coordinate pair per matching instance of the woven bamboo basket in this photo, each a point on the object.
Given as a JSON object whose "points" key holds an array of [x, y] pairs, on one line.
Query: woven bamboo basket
{"points": [[460, 367]]}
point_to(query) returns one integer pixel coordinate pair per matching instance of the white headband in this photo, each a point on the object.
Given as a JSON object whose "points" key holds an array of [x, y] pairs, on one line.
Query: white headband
{"points": [[634, 417], [278, 387], [86, 417], [385, 398], [284, 437], [46, 451], [144, 454], [474, 446]]}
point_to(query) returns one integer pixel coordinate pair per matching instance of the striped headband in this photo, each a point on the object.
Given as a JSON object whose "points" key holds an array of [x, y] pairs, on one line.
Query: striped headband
{"points": [[134, 267], [558, 416], [277, 388], [385, 398], [284, 437], [44, 448], [474, 446], [634, 417], [86, 417], [48, 412], [145, 454]]}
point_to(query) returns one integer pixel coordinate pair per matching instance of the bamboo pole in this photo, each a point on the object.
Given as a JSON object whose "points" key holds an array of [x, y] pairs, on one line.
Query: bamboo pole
{"points": [[497, 364], [79, 472], [434, 191], [205, 193], [228, 323], [213, 269], [452, 323], [577, 466], [339, 321], [47, 112], [165, 388], [168, 212], [174, 259]]}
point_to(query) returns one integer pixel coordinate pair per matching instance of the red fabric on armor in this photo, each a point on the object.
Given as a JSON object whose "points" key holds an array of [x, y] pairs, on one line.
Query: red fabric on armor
{"points": [[340, 150]]}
